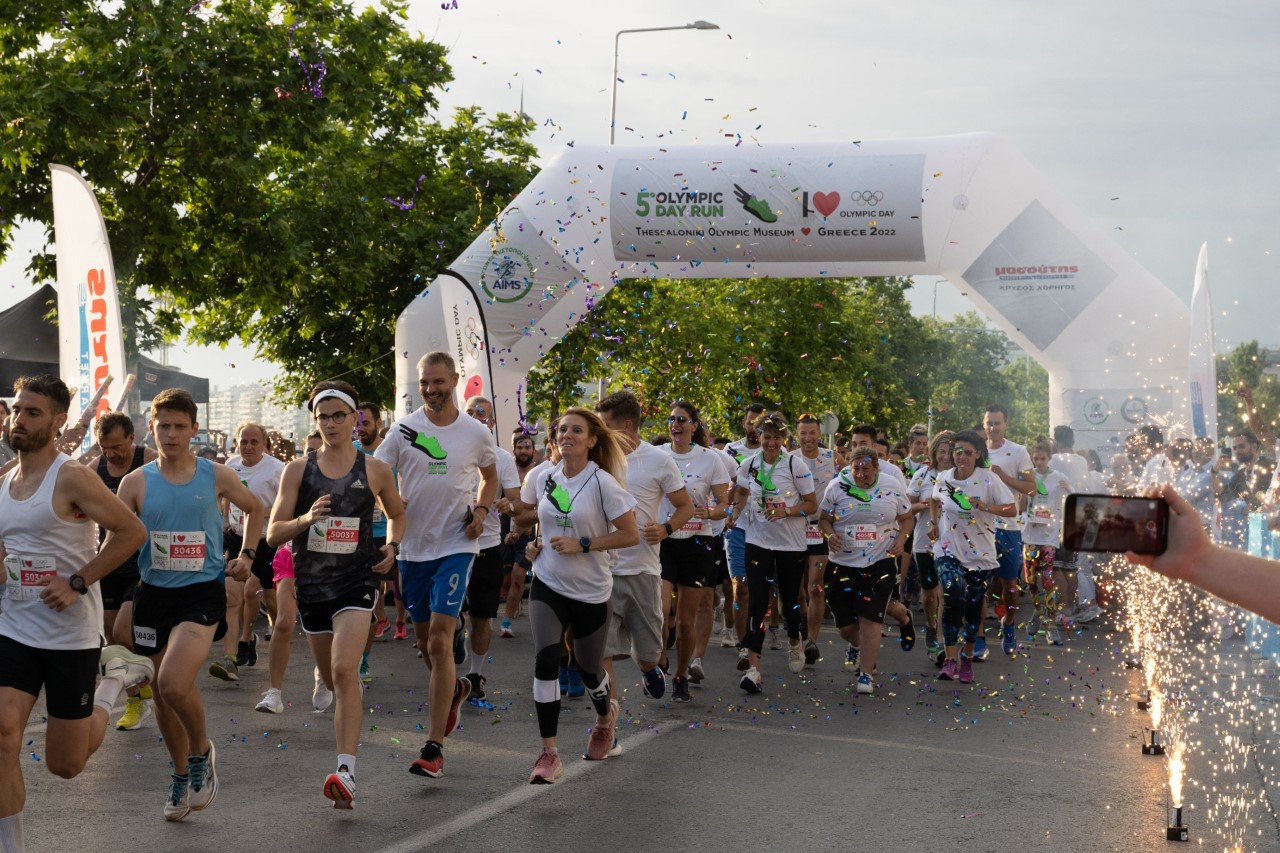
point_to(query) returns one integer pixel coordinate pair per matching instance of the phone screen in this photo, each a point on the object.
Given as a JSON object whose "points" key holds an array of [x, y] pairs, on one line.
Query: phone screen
{"points": [[1108, 523]]}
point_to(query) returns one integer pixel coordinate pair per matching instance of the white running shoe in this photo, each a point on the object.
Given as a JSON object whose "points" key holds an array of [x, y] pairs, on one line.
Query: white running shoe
{"points": [[775, 642], [729, 638], [202, 770], [321, 696], [751, 681], [795, 657], [271, 703], [696, 673], [340, 787], [119, 662]]}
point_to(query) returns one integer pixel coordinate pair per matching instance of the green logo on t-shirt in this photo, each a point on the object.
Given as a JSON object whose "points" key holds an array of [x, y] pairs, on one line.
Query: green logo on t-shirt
{"points": [[428, 444]]}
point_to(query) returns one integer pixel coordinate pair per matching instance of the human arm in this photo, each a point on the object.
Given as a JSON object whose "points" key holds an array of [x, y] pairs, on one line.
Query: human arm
{"points": [[1021, 482], [826, 523], [682, 504], [484, 499], [383, 483], [624, 535]]}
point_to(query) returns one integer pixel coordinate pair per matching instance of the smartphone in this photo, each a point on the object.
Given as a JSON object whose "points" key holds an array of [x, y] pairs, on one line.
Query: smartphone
{"points": [[469, 517], [1112, 524]]}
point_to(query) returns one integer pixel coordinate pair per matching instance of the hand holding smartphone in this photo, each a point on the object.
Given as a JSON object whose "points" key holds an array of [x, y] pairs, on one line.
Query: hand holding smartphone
{"points": [[1107, 523]]}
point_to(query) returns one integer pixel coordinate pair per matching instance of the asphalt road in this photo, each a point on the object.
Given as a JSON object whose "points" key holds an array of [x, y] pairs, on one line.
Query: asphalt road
{"points": [[1042, 752]]}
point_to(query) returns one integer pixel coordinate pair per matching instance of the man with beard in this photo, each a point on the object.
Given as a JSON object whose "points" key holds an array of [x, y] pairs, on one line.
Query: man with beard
{"points": [[1245, 490], [50, 627], [526, 453]]}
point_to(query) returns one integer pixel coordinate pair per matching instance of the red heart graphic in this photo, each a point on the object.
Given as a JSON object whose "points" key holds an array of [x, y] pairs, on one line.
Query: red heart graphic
{"points": [[336, 523], [474, 387], [182, 538], [28, 563], [805, 230], [826, 203]]}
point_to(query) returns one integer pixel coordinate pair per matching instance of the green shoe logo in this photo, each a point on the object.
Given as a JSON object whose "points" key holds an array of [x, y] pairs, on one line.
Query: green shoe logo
{"points": [[428, 444], [962, 500], [161, 548], [13, 576], [1040, 488], [765, 481], [559, 497], [756, 207], [856, 492]]}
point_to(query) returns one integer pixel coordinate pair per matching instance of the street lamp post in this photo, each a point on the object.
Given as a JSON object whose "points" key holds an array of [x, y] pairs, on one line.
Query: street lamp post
{"points": [[613, 99]]}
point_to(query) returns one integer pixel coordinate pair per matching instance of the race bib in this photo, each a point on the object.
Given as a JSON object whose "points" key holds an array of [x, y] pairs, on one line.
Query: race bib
{"points": [[334, 535], [813, 535], [693, 525], [236, 518], [862, 534], [1041, 514], [378, 517], [775, 503], [144, 637], [28, 576], [178, 552]]}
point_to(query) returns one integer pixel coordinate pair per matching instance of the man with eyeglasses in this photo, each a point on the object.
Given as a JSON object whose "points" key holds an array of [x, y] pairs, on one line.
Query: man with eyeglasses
{"points": [[1245, 491], [486, 573]]}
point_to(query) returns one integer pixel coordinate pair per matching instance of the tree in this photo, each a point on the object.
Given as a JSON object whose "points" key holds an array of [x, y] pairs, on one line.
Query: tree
{"points": [[274, 177], [1244, 368]]}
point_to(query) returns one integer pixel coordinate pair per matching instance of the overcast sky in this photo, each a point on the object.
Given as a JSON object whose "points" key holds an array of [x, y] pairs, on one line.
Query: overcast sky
{"points": [[1158, 120]]}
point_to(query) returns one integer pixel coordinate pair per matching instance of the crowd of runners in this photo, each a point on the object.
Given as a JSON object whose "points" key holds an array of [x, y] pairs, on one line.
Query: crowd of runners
{"points": [[638, 551]]}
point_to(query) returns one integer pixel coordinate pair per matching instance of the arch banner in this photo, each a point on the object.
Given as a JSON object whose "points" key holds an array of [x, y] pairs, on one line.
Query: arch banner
{"points": [[968, 207]]}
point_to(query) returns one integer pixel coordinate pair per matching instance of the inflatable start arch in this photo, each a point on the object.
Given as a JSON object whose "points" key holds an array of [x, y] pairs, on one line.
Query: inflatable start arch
{"points": [[1112, 337]]}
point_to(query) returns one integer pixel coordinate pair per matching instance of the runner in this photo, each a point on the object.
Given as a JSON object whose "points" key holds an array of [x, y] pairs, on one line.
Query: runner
{"points": [[781, 493], [51, 620], [966, 500], [919, 493], [336, 562], [822, 464], [438, 452], [260, 473], [690, 571], [280, 646], [636, 624], [518, 538], [368, 440], [179, 609], [735, 533], [1012, 464], [120, 455], [584, 513], [1054, 584], [485, 586], [867, 523]]}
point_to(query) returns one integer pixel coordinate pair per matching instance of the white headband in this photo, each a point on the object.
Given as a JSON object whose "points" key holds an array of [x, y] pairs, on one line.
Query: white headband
{"points": [[332, 394]]}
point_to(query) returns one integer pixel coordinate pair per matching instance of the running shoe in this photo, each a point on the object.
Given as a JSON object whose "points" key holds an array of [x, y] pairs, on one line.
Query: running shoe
{"points": [[907, 634], [242, 653], [1055, 635], [135, 713], [176, 807], [506, 633], [865, 687], [380, 630], [459, 644], [402, 631], [1009, 643], [966, 671], [461, 691], [696, 672], [795, 657], [654, 683], [272, 702], [226, 669], [680, 690], [744, 660], [717, 619], [576, 688], [340, 787], [751, 681], [811, 654], [548, 768], [477, 685], [775, 642], [851, 655], [1088, 613], [729, 638], [930, 637], [119, 662], [366, 674], [251, 657], [202, 770], [950, 670], [430, 761], [932, 649], [321, 695], [602, 736], [980, 650]]}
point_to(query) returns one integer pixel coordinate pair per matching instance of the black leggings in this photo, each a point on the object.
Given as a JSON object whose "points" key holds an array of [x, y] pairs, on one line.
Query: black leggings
{"points": [[549, 614], [764, 568]]}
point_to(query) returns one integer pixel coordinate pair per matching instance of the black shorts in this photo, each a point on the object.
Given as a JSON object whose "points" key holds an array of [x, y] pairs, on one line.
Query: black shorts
{"points": [[722, 560], [690, 562], [860, 593], [117, 589], [264, 554], [926, 568], [817, 549], [68, 676], [1065, 560], [485, 586], [317, 617], [157, 610]]}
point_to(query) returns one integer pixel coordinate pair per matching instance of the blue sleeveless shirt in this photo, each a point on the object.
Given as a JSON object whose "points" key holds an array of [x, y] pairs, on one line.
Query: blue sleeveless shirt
{"points": [[184, 529]]}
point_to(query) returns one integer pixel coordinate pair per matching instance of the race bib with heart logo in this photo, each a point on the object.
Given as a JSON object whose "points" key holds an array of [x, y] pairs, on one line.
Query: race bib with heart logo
{"points": [[862, 534], [26, 577], [334, 535], [236, 517], [813, 535], [182, 551]]}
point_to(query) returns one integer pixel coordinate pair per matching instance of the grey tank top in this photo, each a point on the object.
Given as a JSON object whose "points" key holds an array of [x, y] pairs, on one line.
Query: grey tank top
{"points": [[335, 555]]}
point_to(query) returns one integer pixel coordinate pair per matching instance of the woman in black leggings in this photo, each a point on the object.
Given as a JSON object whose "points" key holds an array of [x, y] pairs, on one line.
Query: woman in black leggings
{"points": [[583, 511]]}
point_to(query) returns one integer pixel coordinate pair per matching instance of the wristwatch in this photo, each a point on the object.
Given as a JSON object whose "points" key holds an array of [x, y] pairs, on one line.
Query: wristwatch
{"points": [[395, 546], [77, 583], [585, 542], [249, 552], [666, 525]]}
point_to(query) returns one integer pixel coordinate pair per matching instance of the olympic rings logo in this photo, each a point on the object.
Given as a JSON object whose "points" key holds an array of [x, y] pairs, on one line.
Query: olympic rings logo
{"points": [[867, 198]]}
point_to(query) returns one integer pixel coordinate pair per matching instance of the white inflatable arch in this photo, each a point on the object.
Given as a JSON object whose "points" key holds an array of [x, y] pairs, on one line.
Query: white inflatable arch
{"points": [[1112, 337]]}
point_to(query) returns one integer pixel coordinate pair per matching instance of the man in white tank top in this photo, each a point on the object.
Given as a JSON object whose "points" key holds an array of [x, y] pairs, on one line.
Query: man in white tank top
{"points": [[51, 621]]}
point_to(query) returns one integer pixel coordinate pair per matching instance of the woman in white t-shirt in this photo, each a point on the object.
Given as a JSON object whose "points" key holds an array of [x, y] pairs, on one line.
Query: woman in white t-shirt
{"points": [[1053, 586], [919, 491], [779, 489], [867, 522], [584, 511], [966, 501]]}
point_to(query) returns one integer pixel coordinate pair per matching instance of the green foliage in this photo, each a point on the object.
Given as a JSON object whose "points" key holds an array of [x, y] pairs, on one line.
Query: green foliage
{"points": [[241, 152], [799, 345], [1245, 365]]}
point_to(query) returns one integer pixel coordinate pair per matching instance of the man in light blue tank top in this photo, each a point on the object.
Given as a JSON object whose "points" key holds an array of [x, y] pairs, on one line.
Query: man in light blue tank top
{"points": [[180, 607]]}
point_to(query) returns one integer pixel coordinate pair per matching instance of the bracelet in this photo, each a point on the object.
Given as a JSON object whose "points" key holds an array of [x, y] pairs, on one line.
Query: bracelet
{"points": [[483, 507], [249, 552]]}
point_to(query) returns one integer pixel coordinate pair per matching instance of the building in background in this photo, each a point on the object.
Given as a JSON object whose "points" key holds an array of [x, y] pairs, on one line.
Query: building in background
{"points": [[229, 407]]}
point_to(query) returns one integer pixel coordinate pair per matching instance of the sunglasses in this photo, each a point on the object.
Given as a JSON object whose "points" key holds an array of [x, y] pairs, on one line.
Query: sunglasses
{"points": [[960, 451], [678, 419]]}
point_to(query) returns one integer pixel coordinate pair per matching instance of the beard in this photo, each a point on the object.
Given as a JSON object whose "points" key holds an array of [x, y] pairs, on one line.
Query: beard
{"points": [[523, 460], [29, 442]]}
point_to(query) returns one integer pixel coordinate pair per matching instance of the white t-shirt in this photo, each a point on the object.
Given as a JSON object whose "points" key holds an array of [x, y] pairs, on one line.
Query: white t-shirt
{"points": [[1072, 466], [651, 474], [1157, 472], [921, 489], [1044, 509], [969, 535], [783, 484], [730, 468], [584, 505], [508, 478], [263, 480], [701, 469], [824, 470], [1013, 459], [438, 468], [867, 521]]}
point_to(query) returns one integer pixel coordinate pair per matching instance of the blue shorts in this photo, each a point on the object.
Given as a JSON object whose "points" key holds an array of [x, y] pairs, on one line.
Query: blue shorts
{"points": [[435, 586], [1009, 553], [736, 541]]}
